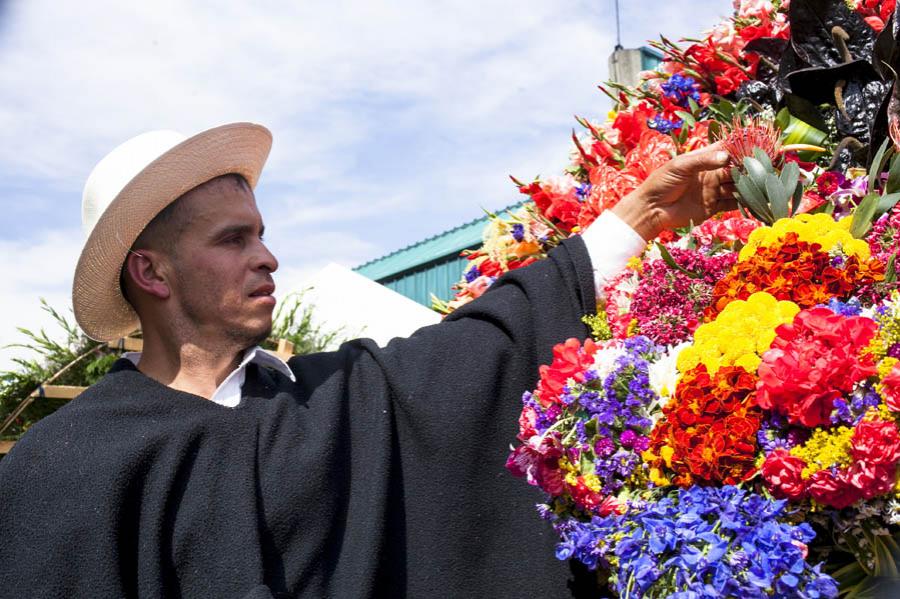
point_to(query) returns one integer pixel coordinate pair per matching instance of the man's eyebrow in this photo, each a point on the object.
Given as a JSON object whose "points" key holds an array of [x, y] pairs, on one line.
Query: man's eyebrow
{"points": [[238, 230]]}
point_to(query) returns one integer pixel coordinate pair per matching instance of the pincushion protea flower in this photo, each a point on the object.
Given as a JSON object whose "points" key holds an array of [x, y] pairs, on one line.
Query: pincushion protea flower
{"points": [[764, 191]]}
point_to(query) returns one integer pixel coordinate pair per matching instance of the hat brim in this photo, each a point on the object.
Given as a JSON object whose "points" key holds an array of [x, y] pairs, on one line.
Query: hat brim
{"points": [[100, 308]]}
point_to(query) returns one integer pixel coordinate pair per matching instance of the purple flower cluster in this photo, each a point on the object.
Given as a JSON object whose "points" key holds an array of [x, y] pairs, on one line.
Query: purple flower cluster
{"points": [[699, 542], [679, 88], [852, 412], [775, 433], [616, 423]]}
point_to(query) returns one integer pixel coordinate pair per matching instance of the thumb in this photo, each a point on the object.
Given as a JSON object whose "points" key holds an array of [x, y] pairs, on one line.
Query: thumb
{"points": [[704, 159]]}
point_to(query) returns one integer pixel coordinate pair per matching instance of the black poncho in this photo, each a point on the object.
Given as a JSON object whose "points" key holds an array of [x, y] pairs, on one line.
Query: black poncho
{"points": [[380, 473]]}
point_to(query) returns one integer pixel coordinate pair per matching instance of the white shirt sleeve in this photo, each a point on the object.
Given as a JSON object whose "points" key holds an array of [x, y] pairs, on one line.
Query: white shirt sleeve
{"points": [[610, 244]]}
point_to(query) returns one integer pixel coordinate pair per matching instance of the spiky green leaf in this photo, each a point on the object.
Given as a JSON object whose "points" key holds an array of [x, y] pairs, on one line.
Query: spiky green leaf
{"points": [[778, 196], [887, 201], [862, 216], [877, 162], [763, 158], [893, 180]]}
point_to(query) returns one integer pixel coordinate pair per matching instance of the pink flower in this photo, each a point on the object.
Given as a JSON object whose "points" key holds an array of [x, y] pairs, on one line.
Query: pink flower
{"points": [[890, 389], [876, 442], [538, 461]]}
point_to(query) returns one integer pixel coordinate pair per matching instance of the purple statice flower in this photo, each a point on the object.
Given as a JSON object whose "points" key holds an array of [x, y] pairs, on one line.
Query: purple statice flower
{"points": [[894, 351], [518, 231]]}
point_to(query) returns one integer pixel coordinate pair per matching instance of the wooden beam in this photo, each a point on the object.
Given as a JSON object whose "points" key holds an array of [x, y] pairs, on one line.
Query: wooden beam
{"points": [[5, 446], [127, 344], [57, 391]]}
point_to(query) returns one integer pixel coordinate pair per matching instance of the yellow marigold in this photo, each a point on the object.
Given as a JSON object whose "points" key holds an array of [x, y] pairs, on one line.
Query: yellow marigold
{"points": [[739, 335], [811, 228], [824, 449]]}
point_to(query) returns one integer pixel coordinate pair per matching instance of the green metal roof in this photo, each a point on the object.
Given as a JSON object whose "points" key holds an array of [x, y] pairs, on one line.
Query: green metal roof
{"points": [[650, 58], [433, 248]]}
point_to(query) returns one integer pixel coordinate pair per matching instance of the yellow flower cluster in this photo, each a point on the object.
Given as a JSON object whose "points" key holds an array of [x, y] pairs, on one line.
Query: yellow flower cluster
{"points": [[811, 228], [888, 332], [825, 448], [739, 335]]}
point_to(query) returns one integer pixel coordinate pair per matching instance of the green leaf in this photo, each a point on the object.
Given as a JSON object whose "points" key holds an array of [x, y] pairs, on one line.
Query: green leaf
{"points": [[751, 199], [687, 117], [887, 201], [890, 271], [893, 180], [790, 175], [798, 197], [763, 159], [695, 108], [778, 197], [669, 260], [877, 161], [756, 170], [714, 131], [862, 216]]}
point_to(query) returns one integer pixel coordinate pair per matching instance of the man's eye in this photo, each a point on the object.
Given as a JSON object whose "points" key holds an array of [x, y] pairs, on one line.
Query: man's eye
{"points": [[237, 240]]}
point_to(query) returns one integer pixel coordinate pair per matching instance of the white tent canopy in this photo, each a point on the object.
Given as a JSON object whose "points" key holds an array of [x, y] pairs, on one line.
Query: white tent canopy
{"points": [[348, 302]]}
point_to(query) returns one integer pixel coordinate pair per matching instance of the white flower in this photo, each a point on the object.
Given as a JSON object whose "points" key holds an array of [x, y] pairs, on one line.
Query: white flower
{"points": [[605, 360], [663, 373]]}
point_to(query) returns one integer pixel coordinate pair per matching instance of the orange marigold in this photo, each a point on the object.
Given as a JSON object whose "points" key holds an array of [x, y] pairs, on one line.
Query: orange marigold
{"points": [[796, 271], [707, 434]]}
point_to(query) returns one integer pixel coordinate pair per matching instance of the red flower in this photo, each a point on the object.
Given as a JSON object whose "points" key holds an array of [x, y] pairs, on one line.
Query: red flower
{"points": [[781, 472], [876, 442], [828, 182], [871, 480], [812, 362], [890, 389], [836, 491], [537, 459], [570, 360]]}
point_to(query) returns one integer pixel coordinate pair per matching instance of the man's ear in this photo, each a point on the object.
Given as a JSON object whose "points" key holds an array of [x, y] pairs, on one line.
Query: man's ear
{"points": [[147, 271]]}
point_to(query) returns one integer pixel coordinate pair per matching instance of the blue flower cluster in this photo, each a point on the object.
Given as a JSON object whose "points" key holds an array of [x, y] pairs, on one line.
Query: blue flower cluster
{"points": [[664, 125], [700, 542], [679, 88]]}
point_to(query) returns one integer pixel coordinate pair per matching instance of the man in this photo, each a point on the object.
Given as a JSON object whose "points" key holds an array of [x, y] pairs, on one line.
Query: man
{"points": [[206, 468]]}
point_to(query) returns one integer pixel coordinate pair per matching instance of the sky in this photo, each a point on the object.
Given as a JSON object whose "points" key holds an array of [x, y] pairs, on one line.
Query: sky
{"points": [[392, 121]]}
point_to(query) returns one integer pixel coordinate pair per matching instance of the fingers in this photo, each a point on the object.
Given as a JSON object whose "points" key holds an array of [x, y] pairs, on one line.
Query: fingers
{"points": [[705, 159]]}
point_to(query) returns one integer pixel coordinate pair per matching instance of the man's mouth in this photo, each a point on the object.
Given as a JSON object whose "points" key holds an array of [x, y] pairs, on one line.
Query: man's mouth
{"points": [[264, 290]]}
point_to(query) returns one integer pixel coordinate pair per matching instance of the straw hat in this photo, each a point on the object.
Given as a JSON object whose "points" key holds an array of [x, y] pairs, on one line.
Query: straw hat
{"points": [[129, 187]]}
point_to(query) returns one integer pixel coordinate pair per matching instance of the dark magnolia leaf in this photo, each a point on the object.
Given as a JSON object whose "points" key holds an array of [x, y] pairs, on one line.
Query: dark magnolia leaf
{"points": [[759, 92], [885, 52], [861, 105], [812, 23], [878, 130], [789, 63], [817, 84], [771, 47]]}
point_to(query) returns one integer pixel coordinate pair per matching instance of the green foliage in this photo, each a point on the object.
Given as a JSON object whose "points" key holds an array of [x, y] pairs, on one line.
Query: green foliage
{"points": [[765, 192], [87, 361], [293, 321]]}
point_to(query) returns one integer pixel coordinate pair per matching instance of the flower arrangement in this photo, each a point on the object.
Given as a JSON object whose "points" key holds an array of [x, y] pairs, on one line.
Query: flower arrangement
{"points": [[733, 428]]}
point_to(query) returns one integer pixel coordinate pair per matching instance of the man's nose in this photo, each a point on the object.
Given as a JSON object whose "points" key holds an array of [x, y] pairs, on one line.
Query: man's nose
{"points": [[266, 259]]}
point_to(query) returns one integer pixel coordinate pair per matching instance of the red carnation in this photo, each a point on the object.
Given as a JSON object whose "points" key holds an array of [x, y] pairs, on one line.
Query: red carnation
{"points": [[781, 472], [876, 442], [890, 389], [836, 491]]}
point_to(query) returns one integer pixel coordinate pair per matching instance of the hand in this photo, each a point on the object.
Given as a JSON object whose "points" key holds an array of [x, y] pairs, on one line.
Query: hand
{"points": [[688, 189]]}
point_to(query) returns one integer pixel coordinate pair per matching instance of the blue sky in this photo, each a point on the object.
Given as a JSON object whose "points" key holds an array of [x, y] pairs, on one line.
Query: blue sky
{"points": [[392, 121]]}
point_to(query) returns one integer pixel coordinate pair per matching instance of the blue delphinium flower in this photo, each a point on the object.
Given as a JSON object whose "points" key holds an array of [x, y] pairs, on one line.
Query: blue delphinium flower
{"points": [[699, 542]]}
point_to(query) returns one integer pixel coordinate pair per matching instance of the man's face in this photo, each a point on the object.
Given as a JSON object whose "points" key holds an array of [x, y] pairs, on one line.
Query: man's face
{"points": [[222, 281]]}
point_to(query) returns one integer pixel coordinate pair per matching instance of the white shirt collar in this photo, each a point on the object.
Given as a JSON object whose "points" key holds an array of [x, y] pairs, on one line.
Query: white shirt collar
{"points": [[228, 393]]}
